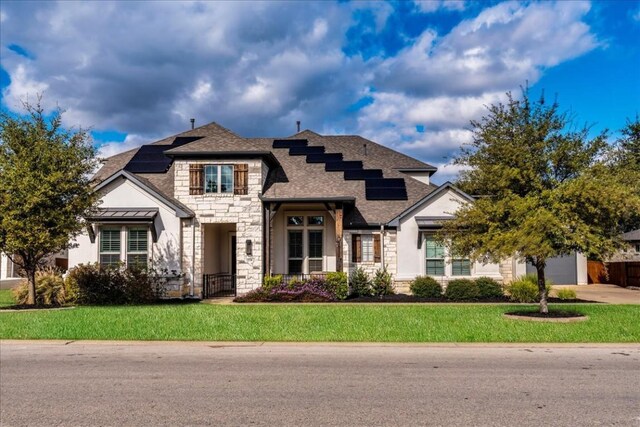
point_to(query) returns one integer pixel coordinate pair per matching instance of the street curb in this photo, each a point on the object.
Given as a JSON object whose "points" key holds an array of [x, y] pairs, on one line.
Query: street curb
{"points": [[222, 344]]}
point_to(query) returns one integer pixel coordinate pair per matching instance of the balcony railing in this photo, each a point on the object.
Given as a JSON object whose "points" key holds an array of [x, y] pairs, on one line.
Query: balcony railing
{"points": [[288, 278]]}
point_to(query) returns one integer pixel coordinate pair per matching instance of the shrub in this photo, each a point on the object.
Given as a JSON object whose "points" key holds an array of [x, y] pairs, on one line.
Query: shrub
{"points": [[462, 290], [120, 285], [50, 289], [489, 288], [313, 290], [566, 294], [360, 283], [338, 284], [270, 282], [426, 287], [525, 289], [382, 283]]}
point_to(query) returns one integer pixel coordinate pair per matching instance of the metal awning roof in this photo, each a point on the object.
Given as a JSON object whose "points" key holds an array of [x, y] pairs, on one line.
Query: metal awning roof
{"points": [[123, 214], [431, 222]]}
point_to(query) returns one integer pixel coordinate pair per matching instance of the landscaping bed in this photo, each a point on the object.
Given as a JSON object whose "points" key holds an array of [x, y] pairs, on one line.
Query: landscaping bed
{"points": [[405, 298]]}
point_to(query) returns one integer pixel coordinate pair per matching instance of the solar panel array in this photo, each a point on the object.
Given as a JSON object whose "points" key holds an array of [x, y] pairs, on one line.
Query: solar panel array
{"points": [[151, 158], [376, 186]]}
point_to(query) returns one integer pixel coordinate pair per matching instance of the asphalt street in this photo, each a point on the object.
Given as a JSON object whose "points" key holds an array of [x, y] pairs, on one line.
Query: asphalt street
{"points": [[107, 383]]}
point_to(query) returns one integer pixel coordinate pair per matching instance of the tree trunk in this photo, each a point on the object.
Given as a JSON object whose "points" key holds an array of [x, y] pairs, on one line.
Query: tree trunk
{"points": [[31, 283], [542, 289]]}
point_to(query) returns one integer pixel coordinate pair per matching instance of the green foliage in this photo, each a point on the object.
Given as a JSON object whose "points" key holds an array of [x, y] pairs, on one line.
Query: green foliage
{"points": [[50, 290], [338, 283], [382, 283], [103, 286], [525, 289], [489, 288], [425, 287], [360, 283], [547, 189], [566, 294], [44, 171], [625, 161], [462, 290], [270, 282]]}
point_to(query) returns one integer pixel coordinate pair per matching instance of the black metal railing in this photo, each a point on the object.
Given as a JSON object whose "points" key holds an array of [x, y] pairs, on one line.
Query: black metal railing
{"points": [[288, 278], [218, 285]]}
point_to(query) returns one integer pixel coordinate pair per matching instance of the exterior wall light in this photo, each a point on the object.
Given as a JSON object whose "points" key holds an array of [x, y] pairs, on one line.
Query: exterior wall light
{"points": [[249, 247]]}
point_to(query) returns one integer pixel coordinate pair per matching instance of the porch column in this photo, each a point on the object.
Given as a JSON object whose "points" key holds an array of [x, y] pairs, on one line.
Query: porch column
{"points": [[338, 221]]}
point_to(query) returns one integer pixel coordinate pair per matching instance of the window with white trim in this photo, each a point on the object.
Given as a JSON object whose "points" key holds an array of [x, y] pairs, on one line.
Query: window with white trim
{"points": [[110, 247], [367, 248], [434, 256], [461, 267], [218, 178], [137, 246], [305, 243]]}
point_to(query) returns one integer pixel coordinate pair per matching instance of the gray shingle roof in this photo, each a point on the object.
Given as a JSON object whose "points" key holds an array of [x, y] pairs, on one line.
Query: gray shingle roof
{"points": [[632, 236], [295, 178]]}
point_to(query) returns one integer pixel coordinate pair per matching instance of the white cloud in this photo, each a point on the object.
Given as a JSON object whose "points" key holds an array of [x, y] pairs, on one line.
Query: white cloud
{"points": [[131, 141], [257, 67]]}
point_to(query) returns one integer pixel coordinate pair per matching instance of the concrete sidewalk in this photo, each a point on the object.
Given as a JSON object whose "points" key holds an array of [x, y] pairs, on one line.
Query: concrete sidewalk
{"points": [[611, 294]]}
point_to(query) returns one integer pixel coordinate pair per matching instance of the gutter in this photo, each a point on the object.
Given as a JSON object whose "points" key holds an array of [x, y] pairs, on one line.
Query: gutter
{"points": [[193, 258]]}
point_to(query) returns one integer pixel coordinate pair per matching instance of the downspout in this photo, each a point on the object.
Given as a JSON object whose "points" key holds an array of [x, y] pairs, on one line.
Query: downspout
{"points": [[382, 246], [193, 257]]}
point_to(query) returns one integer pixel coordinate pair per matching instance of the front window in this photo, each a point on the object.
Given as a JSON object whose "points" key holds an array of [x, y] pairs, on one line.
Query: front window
{"points": [[137, 247], [638, 247], [295, 251], [218, 179], [110, 247], [460, 267], [315, 250], [367, 248], [435, 257]]}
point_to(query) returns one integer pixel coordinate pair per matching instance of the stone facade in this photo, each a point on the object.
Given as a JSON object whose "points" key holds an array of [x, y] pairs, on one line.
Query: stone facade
{"points": [[245, 211], [389, 252]]}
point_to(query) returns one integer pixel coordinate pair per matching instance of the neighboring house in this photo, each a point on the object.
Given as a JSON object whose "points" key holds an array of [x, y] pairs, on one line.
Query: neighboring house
{"points": [[9, 271], [226, 211], [632, 252]]}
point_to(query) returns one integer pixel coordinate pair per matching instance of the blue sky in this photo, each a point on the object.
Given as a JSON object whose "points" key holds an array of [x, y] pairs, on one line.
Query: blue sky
{"points": [[410, 75]]}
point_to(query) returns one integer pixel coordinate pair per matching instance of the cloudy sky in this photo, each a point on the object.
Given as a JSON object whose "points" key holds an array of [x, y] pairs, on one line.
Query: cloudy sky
{"points": [[410, 75]]}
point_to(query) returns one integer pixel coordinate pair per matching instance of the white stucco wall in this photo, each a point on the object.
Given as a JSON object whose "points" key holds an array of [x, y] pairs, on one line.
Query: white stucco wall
{"points": [[411, 254], [166, 252], [419, 176]]}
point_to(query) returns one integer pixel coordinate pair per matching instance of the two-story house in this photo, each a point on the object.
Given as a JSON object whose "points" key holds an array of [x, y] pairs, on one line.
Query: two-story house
{"points": [[226, 210]]}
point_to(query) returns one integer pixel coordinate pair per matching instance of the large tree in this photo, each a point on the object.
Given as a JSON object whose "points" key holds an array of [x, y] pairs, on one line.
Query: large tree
{"points": [[625, 161], [544, 189], [44, 186]]}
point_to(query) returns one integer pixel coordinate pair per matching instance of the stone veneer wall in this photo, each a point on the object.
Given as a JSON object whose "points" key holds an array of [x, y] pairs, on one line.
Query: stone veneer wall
{"points": [[506, 270], [243, 210], [390, 251]]}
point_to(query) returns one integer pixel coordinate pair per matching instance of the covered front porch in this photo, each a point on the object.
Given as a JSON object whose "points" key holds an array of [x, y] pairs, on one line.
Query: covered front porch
{"points": [[304, 238], [219, 263]]}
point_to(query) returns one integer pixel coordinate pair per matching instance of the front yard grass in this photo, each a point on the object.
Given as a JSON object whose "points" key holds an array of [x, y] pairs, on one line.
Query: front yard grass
{"points": [[319, 322]]}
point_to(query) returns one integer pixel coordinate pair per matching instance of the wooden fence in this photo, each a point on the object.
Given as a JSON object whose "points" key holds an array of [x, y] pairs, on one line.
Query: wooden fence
{"points": [[617, 273]]}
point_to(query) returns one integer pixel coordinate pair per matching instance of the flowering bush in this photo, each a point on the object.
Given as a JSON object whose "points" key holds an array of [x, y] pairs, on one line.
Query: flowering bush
{"points": [[312, 290]]}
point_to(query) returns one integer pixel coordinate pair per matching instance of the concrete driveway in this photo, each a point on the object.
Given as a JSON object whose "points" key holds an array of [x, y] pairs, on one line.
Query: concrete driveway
{"points": [[611, 294], [157, 384]]}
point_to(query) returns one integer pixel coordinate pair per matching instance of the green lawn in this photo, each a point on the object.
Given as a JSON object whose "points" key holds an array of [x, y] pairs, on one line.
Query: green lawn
{"points": [[318, 322]]}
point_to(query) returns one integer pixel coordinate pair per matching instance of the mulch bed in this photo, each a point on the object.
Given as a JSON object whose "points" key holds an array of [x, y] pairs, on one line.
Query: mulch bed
{"points": [[25, 307], [404, 298], [551, 316]]}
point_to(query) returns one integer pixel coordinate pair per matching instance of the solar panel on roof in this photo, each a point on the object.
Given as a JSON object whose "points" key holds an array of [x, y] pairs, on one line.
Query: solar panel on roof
{"points": [[324, 158], [303, 151], [343, 165], [182, 140], [356, 174], [386, 193], [151, 158], [385, 182], [288, 143]]}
